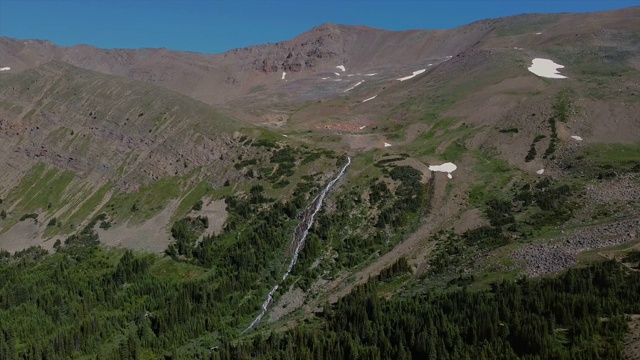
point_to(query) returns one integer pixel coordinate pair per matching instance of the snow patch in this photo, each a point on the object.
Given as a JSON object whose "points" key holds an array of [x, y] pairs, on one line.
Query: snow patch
{"points": [[362, 127], [371, 98], [538, 33], [415, 73], [371, 74], [337, 74], [546, 68], [283, 75], [387, 144], [446, 167], [353, 87], [540, 172], [5, 68], [576, 137], [341, 67], [324, 78], [350, 75]]}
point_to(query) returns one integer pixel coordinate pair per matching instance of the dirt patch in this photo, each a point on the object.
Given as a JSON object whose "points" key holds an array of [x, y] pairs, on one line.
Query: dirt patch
{"points": [[632, 340], [363, 142], [21, 236], [25, 234], [151, 236], [469, 219], [216, 212], [288, 303]]}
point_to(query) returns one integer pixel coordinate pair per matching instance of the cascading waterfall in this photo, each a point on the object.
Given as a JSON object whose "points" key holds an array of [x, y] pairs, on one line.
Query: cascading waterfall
{"points": [[307, 222]]}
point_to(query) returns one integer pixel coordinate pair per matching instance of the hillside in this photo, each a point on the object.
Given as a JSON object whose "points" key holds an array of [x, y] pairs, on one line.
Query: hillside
{"points": [[456, 164]]}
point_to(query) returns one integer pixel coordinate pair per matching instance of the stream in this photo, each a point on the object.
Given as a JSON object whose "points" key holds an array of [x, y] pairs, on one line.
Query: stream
{"points": [[299, 239]]}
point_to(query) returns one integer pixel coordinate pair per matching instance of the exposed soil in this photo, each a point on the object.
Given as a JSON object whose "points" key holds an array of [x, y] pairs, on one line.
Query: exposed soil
{"points": [[215, 211], [470, 219], [632, 340], [21, 236], [288, 303], [152, 236]]}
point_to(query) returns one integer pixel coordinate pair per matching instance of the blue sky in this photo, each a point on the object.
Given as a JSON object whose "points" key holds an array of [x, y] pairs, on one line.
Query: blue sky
{"points": [[215, 26]]}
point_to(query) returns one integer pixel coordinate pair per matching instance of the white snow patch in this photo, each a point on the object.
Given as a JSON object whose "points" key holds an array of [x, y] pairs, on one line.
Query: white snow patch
{"points": [[283, 75], [387, 144], [430, 65], [446, 167], [341, 67], [546, 68], [337, 74], [337, 80], [538, 33], [371, 98], [540, 172], [371, 74], [353, 87], [576, 137], [324, 78], [415, 73], [5, 68], [362, 127], [350, 75], [285, 135]]}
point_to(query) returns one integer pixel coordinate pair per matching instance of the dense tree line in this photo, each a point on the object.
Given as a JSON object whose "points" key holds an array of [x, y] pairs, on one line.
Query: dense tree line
{"points": [[579, 315], [84, 300]]}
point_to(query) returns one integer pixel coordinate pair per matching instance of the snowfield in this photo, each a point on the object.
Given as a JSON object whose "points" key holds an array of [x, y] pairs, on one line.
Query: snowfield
{"points": [[576, 137], [353, 87], [540, 172], [5, 68], [546, 68], [387, 144], [446, 167], [415, 73], [341, 67], [283, 75]]}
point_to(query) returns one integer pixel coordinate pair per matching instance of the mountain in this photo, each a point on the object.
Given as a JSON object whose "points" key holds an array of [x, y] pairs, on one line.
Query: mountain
{"points": [[346, 176], [215, 79]]}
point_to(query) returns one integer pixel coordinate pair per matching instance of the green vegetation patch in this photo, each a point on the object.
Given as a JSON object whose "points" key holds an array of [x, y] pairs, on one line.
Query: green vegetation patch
{"points": [[603, 161]]}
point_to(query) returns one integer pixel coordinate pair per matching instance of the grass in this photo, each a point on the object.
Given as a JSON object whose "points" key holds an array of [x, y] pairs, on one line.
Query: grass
{"points": [[41, 189], [196, 193], [148, 201], [607, 160], [89, 205], [441, 132], [492, 176], [178, 271]]}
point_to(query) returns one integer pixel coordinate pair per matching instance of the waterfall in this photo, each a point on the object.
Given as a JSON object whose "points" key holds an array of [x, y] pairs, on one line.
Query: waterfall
{"points": [[306, 223]]}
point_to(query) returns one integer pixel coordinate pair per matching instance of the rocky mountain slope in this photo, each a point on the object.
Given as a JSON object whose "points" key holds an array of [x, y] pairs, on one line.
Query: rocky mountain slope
{"points": [[100, 115], [212, 159], [216, 79]]}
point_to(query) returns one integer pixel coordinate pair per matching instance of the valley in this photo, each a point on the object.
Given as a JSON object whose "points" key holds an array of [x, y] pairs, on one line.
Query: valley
{"points": [[350, 193]]}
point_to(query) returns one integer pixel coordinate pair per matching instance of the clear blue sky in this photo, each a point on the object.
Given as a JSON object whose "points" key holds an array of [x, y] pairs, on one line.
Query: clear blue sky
{"points": [[210, 26]]}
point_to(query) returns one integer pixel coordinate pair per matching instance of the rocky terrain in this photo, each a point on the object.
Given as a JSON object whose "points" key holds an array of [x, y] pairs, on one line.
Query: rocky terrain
{"points": [[547, 258]]}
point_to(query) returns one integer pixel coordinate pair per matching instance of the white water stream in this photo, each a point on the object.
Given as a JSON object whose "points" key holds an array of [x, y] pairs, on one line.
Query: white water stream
{"points": [[306, 222]]}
